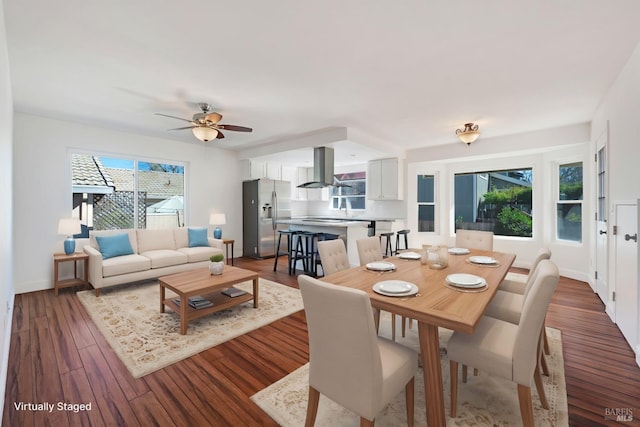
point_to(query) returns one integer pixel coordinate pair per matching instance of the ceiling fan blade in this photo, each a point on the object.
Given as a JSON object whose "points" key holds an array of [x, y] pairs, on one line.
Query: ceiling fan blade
{"points": [[186, 127], [213, 117], [173, 117], [220, 135], [235, 128]]}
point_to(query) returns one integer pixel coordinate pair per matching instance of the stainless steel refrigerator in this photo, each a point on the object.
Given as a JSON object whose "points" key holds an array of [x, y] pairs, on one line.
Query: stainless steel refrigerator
{"points": [[264, 203]]}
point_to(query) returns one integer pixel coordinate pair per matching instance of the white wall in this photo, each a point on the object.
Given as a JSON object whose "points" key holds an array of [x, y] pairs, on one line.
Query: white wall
{"points": [[42, 185], [6, 199], [621, 107], [551, 147]]}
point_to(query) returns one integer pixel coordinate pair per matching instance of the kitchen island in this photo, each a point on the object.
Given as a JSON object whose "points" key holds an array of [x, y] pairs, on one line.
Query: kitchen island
{"points": [[349, 230]]}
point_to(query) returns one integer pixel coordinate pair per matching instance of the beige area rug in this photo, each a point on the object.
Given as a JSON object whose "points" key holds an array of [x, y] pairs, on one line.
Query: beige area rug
{"points": [[482, 401], [146, 340]]}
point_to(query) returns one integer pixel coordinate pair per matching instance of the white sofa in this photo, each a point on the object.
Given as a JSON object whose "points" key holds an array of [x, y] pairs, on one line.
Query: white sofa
{"points": [[155, 253]]}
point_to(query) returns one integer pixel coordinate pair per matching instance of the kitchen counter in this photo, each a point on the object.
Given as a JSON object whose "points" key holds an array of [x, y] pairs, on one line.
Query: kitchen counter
{"points": [[349, 229]]}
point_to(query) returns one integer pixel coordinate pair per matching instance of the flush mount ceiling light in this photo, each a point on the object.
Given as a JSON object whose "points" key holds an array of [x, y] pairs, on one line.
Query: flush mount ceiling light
{"points": [[469, 134]]}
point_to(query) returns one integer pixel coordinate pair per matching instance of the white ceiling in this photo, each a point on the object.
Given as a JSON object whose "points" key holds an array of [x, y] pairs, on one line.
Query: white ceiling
{"points": [[397, 75]]}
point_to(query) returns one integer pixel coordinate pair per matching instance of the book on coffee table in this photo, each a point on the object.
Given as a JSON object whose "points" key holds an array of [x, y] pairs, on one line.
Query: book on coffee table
{"points": [[196, 302], [233, 292]]}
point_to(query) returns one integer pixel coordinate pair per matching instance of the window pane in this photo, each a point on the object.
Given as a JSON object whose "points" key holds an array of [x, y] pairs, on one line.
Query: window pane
{"points": [[570, 221], [426, 218], [109, 193], [498, 201], [163, 189], [425, 189], [570, 179]]}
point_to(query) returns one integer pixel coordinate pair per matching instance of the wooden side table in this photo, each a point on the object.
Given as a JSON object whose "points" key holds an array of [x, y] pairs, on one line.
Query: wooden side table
{"points": [[75, 257], [227, 243]]}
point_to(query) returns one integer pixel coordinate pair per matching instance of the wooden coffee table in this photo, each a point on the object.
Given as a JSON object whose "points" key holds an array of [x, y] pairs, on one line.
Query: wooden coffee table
{"points": [[202, 283]]}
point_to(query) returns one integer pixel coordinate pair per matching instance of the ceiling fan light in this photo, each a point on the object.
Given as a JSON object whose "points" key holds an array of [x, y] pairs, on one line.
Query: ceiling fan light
{"points": [[204, 133], [469, 134]]}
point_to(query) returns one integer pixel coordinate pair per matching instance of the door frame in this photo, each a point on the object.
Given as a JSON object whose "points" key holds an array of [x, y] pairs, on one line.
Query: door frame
{"points": [[606, 261]]}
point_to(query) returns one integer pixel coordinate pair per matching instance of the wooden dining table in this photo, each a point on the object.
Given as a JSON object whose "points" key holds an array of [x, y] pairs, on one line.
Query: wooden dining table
{"points": [[435, 305]]}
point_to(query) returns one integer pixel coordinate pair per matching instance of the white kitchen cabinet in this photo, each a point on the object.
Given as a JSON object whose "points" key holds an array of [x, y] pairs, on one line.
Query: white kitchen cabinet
{"points": [[384, 179]]}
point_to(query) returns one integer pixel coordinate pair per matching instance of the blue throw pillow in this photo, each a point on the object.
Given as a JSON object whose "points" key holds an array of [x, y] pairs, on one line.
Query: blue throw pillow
{"points": [[198, 237], [114, 245]]}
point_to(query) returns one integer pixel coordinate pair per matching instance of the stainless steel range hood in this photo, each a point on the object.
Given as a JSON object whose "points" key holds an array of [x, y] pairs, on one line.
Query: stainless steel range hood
{"points": [[322, 168]]}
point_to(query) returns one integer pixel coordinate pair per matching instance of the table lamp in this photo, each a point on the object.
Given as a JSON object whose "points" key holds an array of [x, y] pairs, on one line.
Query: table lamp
{"points": [[69, 227], [217, 219]]}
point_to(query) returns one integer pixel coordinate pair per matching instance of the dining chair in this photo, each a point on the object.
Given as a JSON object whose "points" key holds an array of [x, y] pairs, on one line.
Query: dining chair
{"points": [[508, 350], [474, 239], [370, 250], [516, 282], [348, 362], [333, 256]]}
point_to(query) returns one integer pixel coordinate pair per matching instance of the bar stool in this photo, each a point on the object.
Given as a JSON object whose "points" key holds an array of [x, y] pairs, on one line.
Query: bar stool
{"points": [[289, 236], [306, 250], [322, 237], [406, 241], [299, 252], [388, 250]]}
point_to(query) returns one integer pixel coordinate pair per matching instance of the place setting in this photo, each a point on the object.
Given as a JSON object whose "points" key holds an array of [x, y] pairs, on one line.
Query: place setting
{"points": [[464, 282], [410, 255], [395, 288], [459, 251], [380, 266], [485, 261]]}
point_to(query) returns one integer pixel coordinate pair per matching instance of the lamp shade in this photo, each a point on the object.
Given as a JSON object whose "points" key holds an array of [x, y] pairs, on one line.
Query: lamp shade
{"points": [[217, 219], [69, 226], [204, 133]]}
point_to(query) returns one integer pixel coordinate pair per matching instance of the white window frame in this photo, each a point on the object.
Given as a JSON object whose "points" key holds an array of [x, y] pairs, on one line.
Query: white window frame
{"points": [[557, 165]]}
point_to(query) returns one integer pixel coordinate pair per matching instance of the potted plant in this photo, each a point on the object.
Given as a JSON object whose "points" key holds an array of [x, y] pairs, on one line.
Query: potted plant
{"points": [[216, 266]]}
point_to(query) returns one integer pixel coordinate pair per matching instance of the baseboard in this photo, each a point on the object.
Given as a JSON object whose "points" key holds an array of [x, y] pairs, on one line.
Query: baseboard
{"points": [[576, 275], [637, 350], [610, 309]]}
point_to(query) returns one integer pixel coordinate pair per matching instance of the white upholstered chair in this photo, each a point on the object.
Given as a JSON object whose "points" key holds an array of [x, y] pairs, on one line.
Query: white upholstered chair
{"points": [[348, 362], [333, 256], [508, 350], [474, 239], [516, 282], [370, 250]]}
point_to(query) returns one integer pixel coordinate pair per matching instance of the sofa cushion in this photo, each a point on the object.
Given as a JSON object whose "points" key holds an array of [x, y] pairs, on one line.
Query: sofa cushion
{"points": [[198, 237], [93, 234], [181, 237], [165, 258], [114, 246], [153, 240], [201, 253], [125, 264]]}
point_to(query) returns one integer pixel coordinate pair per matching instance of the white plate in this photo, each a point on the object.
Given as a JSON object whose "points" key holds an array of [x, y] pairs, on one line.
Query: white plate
{"points": [[465, 280], [482, 260], [459, 251], [381, 266], [409, 255], [394, 286], [382, 288]]}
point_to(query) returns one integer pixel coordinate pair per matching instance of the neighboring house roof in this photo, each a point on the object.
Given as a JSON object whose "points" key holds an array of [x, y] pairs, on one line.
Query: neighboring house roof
{"points": [[157, 184], [88, 175]]}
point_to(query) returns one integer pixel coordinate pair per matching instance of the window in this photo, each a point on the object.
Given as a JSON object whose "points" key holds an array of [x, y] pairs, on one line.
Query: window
{"points": [[498, 201], [569, 204], [426, 203], [349, 191], [117, 193]]}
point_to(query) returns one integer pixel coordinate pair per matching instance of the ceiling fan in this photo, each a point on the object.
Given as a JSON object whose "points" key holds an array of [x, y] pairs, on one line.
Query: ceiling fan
{"points": [[205, 125]]}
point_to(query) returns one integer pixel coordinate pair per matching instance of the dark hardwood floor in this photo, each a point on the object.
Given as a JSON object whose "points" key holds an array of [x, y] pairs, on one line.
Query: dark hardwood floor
{"points": [[58, 355]]}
